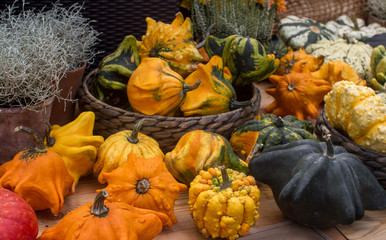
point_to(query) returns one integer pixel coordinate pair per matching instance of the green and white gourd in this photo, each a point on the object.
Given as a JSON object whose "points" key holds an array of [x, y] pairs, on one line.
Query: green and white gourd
{"points": [[301, 31], [356, 28], [355, 53]]}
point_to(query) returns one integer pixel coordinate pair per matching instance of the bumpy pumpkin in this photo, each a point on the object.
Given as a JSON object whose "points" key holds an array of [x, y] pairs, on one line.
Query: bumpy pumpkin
{"points": [[356, 53], [245, 57], [359, 112], [172, 43], [107, 221], [336, 71], [297, 94], [318, 184], [155, 89], [301, 31], [215, 94], [76, 144], [116, 148], [18, 220], [269, 130], [378, 67], [116, 68], [137, 184], [298, 61], [199, 150], [38, 175], [224, 203]]}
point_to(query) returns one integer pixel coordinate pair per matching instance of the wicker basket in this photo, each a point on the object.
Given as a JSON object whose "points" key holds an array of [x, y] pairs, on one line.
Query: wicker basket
{"points": [[166, 130], [373, 19], [374, 160]]}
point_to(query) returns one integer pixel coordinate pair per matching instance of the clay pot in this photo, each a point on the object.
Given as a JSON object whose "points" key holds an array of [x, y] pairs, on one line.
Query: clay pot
{"points": [[63, 111], [13, 142]]}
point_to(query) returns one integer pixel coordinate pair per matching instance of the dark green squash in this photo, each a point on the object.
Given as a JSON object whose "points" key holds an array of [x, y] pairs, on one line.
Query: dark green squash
{"points": [[276, 46], [115, 70], [269, 130], [318, 184]]}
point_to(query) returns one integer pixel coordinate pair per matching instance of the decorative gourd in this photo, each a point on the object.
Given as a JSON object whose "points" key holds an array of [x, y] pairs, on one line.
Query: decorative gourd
{"points": [[107, 221], [297, 94], [215, 94], [245, 57], [38, 175], [354, 27], [224, 203], [356, 53], [336, 71], [172, 43], [116, 68], [18, 220], [200, 150], [298, 61], [144, 183], [276, 47], [269, 130], [318, 184], [115, 150], [378, 67], [299, 32], [359, 112], [155, 89], [76, 144]]}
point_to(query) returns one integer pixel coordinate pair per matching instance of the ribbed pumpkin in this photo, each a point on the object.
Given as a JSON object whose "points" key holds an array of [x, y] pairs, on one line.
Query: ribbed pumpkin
{"points": [[172, 43], [107, 221], [116, 148], [199, 150], [359, 112], [298, 61], [297, 94], [269, 130], [215, 94], [38, 175], [76, 144], [155, 89], [144, 183]]}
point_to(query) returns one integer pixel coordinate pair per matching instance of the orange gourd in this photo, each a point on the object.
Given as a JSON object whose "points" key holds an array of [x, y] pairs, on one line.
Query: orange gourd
{"points": [[107, 221], [298, 61], [144, 183], [38, 175], [297, 94]]}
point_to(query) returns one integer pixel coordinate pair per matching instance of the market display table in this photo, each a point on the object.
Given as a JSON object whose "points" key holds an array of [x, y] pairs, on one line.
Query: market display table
{"points": [[272, 224]]}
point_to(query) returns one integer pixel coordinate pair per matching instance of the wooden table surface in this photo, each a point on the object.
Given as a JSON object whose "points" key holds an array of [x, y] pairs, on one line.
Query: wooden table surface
{"points": [[271, 224]]}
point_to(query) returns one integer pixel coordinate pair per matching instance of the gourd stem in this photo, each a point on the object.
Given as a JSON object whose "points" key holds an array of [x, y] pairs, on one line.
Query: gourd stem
{"points": [[142, 186], [355, 22], [255, 151], [50, 140], [278, 122], [133, 138], [225, 179], [99, 208], [187, 88], [233, 104], [40, 147], [291, 86], [330, 147]]}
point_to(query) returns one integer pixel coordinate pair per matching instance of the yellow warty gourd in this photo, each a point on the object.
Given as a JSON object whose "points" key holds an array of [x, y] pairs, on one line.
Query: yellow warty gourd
{"points": [[359, 112]]}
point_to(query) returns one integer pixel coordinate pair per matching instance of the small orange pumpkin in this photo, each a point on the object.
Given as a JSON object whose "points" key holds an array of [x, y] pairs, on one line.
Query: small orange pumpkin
{"points": [[297, 94], [298, 61], [38, 175], [108, 221], [137, 184]]}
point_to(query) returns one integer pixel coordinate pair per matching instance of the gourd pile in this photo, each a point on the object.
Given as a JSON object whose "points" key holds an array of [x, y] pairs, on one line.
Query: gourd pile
{"points": [[313, 182]]}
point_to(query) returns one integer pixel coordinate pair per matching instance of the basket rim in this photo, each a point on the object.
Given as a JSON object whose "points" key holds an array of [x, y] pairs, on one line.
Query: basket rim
{"points": [[323, 121], [256, 100]]}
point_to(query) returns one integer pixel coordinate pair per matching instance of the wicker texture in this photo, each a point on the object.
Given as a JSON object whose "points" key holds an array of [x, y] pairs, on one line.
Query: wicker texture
{"points": [[374, 19], [375, 161], [166, 130], [113, 19]]}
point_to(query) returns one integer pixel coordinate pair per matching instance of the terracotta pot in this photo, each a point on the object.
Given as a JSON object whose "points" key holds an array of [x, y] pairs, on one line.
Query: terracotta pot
{"points": [[64, 111], [13, 142]]}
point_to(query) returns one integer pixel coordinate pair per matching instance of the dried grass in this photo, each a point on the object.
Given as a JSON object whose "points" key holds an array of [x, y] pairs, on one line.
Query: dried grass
{"points": [[37, 47]]}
